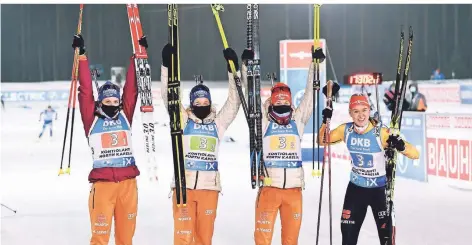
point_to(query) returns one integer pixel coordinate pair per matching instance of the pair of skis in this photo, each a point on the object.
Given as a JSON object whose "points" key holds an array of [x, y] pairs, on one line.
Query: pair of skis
{"points": [[174, 105], [72, 98], [251, 107], [143, 76], [259, 172], [394, 127]]}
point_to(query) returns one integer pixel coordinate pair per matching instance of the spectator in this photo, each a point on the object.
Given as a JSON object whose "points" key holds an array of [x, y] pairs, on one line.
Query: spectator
{"points": [[389, 99], [437, 75], [418, 100]]}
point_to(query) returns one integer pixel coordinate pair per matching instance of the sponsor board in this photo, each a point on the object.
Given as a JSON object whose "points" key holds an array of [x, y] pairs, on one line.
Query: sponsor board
{"points": [[449, 146], [441, 93]]}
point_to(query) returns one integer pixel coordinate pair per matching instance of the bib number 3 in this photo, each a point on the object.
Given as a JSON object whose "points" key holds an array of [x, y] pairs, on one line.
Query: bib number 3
{"points": [[115, 139], [203, 144], [282, 143]]}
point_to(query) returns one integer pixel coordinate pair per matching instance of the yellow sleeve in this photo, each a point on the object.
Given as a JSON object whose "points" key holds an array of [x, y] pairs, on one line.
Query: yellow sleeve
{"points": [[336, 135], [410, 150]]}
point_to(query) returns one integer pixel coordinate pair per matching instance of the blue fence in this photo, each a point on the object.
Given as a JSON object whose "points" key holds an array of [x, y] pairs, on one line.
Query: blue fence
{"points": [[19, 96]]}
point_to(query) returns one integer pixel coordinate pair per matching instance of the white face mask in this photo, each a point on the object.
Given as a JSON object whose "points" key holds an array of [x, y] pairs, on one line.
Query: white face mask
{"points": [[413, 89]]}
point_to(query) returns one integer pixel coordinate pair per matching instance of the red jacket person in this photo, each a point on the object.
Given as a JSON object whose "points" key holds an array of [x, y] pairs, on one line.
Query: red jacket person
{"points": [[107, 125]]}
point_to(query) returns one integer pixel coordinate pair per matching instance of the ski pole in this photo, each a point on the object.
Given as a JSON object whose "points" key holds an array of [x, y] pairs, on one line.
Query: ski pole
{"points": [[3, 205], [72, 97], [216, 8], [329, 90], [316, 86]]}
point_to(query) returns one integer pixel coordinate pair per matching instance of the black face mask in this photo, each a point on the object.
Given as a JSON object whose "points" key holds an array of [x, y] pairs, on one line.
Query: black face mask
{"points": [[281, 109], [201, 111], [110, 110]]}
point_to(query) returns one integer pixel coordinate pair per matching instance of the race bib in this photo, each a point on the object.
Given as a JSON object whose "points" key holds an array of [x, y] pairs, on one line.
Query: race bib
{"points": [[114, 139], [286, 142], [202, 143]]}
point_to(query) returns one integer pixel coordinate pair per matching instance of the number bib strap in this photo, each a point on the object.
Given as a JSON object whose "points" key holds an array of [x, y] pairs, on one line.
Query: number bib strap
{"points": [[283, 164], [114, 162], [201, 165], [368, 182]]}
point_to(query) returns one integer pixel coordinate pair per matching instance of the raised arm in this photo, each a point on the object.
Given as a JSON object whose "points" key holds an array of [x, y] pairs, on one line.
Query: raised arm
{"points": [[86, 100], [230, 109], [166, 62], [130, 92], [305, 109]]}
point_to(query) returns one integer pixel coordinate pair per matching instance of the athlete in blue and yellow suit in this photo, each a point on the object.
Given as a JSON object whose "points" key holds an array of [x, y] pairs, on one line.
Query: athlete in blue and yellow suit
{"points": [[366, 142]]}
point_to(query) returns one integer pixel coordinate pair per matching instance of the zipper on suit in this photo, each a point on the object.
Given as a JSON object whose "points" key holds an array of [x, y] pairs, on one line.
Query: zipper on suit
{"points": [[196, 180], [93, 199], [285, 177]]}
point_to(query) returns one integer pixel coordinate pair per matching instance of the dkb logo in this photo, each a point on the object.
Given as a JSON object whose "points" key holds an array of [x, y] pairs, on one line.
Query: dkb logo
{"points": [[277, 126], [360, 142], [204, 127]]}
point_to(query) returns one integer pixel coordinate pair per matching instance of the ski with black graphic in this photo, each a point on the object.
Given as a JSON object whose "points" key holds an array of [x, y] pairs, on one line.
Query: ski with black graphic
{"points": [[143, 76], [259, 172], [250, 100], [394, 128], [174, 105]]}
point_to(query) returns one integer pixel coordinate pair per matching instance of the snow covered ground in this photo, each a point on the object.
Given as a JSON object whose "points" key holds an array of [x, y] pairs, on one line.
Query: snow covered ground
{"points": [[53, 210]]}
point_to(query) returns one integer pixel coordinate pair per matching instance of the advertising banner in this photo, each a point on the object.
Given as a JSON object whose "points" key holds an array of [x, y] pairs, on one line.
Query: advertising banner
{"points": [[449, 146], [295, 59], [413, 128], [20, 96], [441, 93]]}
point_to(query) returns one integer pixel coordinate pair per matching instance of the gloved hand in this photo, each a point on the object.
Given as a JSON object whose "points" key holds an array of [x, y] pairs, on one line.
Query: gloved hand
{"points": [[247, 55], [78, 42], [395, 141], [317, 54], [229, 54], [167, 52], [327, 114], [143, 42]]}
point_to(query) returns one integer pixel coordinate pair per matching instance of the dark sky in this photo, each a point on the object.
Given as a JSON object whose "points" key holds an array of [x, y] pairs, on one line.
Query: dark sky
{"points": [[36, 39]]}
